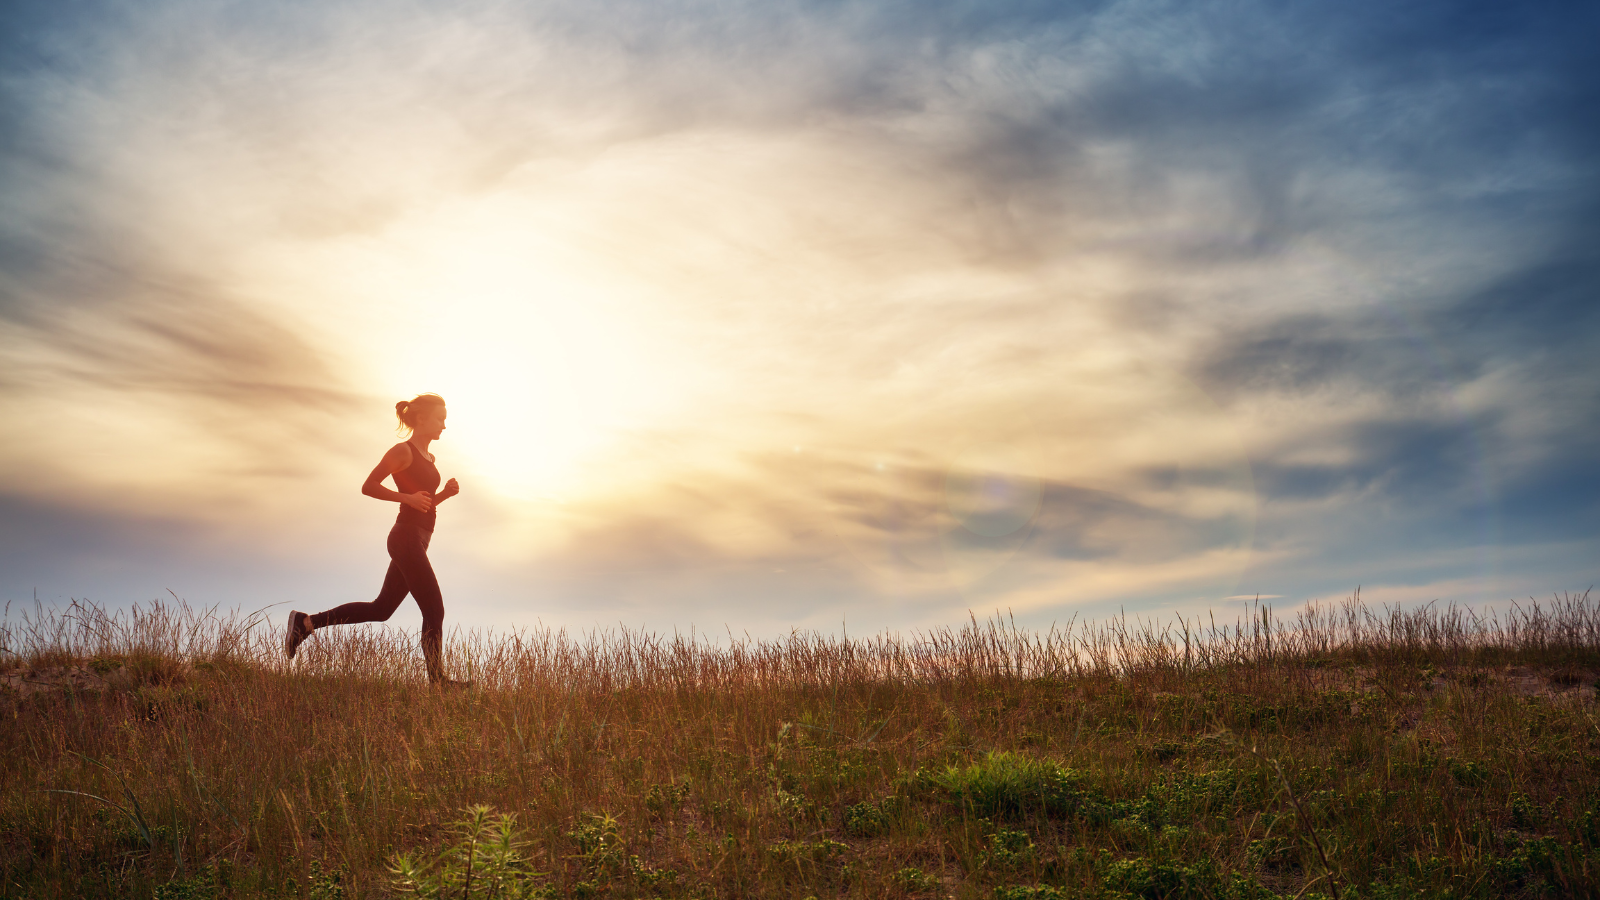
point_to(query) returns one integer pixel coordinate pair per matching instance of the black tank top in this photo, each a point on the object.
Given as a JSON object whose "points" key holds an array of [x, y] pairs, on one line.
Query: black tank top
{"points": [[419, 476]]}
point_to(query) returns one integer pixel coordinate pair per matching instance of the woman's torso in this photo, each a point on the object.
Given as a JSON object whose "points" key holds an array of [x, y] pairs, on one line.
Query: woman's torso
{"points": [[421, 475]]}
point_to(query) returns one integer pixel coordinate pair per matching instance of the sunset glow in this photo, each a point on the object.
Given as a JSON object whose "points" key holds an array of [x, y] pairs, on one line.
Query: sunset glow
{"points": [[777, 319]]}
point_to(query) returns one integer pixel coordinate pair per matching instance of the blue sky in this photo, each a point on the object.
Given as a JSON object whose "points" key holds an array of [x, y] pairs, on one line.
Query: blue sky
{"points": [[767, 316]]}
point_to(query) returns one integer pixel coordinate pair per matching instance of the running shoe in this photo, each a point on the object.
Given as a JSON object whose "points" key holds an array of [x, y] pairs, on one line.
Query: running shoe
{"points": [[299, 630]]}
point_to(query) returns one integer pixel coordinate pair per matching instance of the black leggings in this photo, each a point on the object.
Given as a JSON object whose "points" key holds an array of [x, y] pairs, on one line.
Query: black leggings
{"points": [[409, 572]]}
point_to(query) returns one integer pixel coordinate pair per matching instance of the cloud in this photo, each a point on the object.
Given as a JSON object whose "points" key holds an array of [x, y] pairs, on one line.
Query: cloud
{"points": [[769, 287]]}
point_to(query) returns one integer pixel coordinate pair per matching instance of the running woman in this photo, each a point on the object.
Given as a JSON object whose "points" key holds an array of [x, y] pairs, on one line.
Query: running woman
{"points": [[409, 570]]}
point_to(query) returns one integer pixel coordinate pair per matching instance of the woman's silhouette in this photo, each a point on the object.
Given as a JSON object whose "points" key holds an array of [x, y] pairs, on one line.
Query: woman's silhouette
{"points": [[409, 570]]}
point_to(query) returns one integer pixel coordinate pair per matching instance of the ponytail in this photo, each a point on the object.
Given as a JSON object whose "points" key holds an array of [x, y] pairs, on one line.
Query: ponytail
{"points": [[406, 410]]}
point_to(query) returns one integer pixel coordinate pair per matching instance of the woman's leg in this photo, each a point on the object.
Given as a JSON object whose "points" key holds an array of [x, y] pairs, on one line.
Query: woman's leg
{"points": [[408, 547], [379, 610]]}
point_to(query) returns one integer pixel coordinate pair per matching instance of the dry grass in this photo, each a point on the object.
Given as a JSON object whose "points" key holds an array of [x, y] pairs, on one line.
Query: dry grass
{"points": [[1346, 751]]}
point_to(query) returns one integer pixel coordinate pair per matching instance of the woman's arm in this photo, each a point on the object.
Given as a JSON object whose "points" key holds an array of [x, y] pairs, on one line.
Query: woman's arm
{"points": [[449, 490], [398, 458]]}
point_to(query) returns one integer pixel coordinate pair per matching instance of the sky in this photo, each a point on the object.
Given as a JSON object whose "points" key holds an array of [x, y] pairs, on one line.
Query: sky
{"points": [[762, 316]]}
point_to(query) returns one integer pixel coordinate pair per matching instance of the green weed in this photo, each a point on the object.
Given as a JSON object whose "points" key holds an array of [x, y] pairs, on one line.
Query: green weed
{"points": [[483, 861]]}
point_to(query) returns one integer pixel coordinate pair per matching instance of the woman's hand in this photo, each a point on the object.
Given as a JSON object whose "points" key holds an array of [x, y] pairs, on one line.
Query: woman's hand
{"points": [[420, 501], [451, 488]]}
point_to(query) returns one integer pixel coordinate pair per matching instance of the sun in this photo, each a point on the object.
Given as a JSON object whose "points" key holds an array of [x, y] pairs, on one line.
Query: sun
{"points": [[536, 391], [546, 359]]}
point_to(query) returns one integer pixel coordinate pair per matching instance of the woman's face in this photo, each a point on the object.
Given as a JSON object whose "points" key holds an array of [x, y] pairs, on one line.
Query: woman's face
{"points": [[430, 421]]}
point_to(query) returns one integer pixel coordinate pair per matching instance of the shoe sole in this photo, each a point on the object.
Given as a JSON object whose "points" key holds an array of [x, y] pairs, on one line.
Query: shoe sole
{"points": [[290, 645]]}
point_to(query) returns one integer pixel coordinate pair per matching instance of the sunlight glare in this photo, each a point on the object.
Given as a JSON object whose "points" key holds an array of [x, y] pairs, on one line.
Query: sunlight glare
{"points": [[540, 354]]}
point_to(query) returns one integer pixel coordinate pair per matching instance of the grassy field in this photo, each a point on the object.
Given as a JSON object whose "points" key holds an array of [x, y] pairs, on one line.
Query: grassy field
{"points": [[1344, 752]]}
